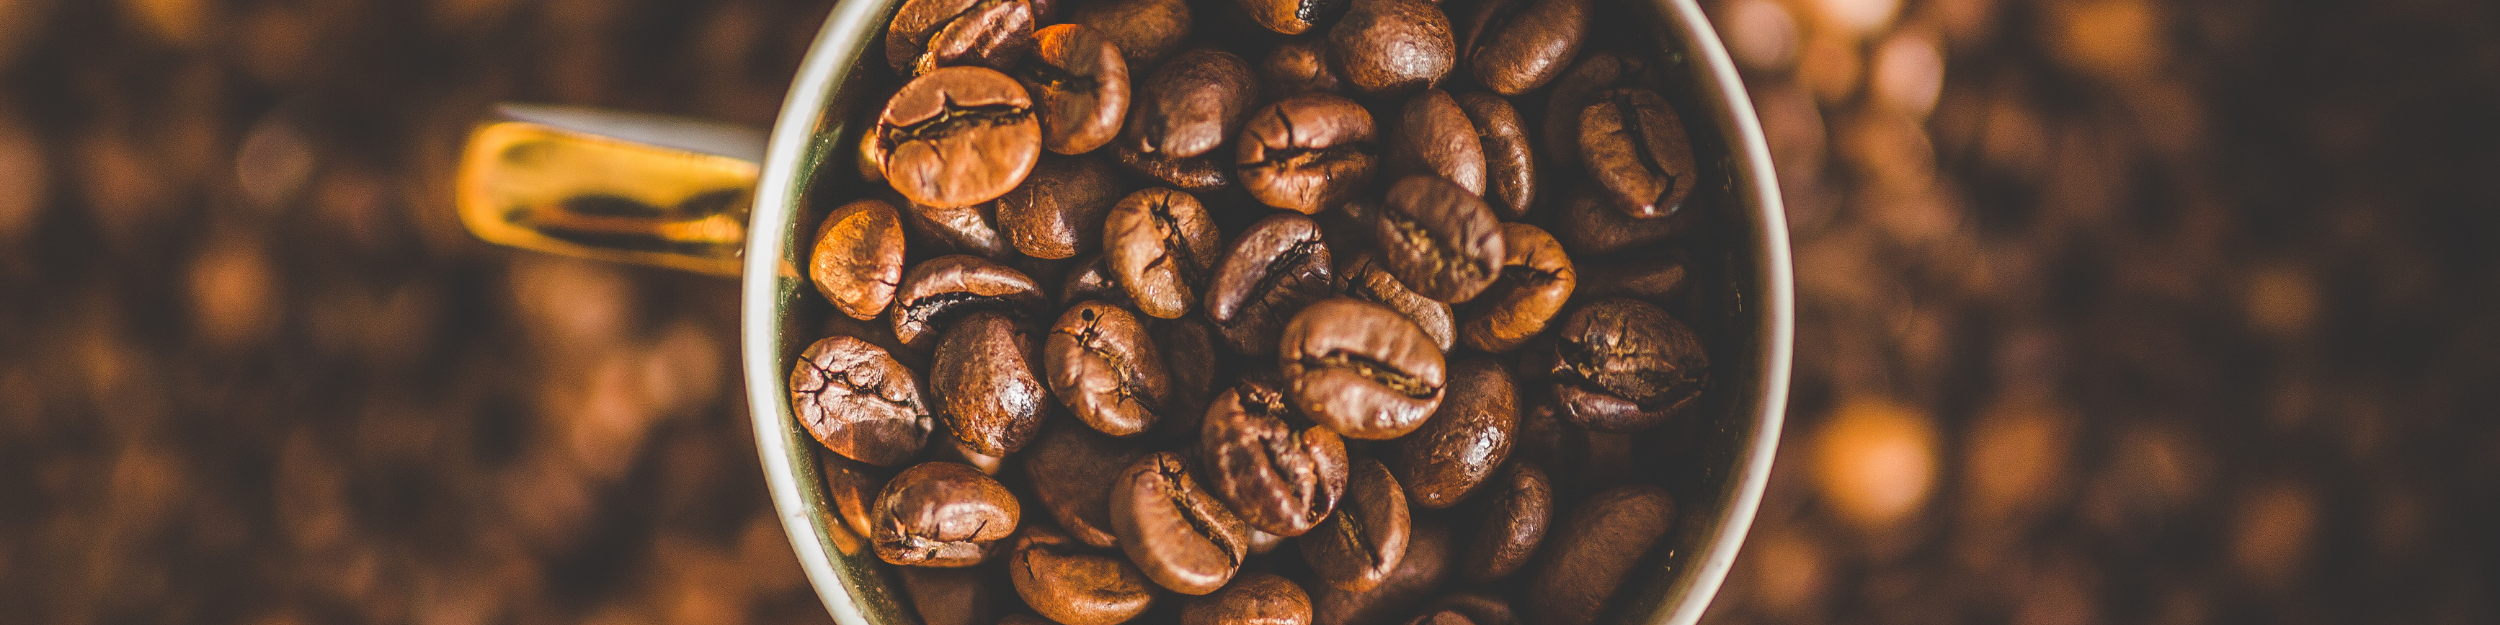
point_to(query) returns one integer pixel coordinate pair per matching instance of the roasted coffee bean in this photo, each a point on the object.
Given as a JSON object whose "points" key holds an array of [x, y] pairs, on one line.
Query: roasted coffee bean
{"points": [[1439, 239], [1299, 65], [1656, 278], [1435, 138], [859, 402], [1079, 83], [988, 376], [858, 258], [1537, 277], [1074, 584], [1509, 164], [1590, 224], [1280, 478], [1204, 173], [1175, 531], [1276, 268], [852, 487], [1479, 609], [1522, 507], [1308, 153], [952, 449], [1442, 617], [1464, 441], [1390, 48], [929, 34], [1427, 564], [942, 514], [1358, 547], [960, 230], [958, 596], [1594, 549], [1252, 599], [1146, 31], [1161, 244], [1106, 370], [1192, 104], [1091, 279], [1072, 468], [956, 137], [944, 288], [1513, 46], [1633, 143], [1575, 91], [1292, 17], [1369, 280], [1058, 211], [1360, 368], [1190, 350], [1623, 365]]}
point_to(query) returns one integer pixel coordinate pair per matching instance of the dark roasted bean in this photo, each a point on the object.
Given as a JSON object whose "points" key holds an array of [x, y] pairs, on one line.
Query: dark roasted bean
{"points": [[1513, 46], [1522, 508], [1623, 365], [956, 137], [1439, 239], [1427, 564], [1178, 534], [1357, 548], [1509, 165], [1299, 65], [929, 34], [1368, 280], [1464, 441], [1276, 268], [1280, 478], [1072, 468], [1434, 137], [1074, 584], [1079, 83], [1292, 17], [1161, 244], [1360, 368], [1633, 143], [1146, 31], [1594, 549], [1308, 153], [858, 258], [1389, 48], [1106, 370], [1191, 105], [942, 514], [941, 289], [1058, 211], [988, 380], [1537, 277], [1252, 599], [859, 402]]}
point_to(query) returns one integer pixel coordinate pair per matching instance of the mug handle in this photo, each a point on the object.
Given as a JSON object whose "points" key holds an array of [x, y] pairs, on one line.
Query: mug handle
{"points": [[612, 186]]}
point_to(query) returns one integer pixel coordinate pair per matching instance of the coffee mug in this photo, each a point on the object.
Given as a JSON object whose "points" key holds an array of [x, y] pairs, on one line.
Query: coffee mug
{"points": [[733, 202]]}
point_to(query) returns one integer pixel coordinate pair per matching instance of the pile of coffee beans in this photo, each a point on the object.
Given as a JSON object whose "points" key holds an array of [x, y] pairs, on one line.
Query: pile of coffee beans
{"points": [[1260, 311]]}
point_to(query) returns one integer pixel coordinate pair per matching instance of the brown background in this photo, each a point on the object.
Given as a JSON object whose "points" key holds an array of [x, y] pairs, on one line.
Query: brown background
{"points": [[2112, 311]]}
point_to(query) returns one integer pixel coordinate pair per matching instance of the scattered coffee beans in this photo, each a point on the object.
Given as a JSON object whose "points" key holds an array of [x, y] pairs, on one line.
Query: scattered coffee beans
{"points": [[1299, 321]]}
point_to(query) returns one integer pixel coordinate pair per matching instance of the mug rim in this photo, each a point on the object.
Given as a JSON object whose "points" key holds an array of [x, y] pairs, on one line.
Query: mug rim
{"points": [[790, 160]]}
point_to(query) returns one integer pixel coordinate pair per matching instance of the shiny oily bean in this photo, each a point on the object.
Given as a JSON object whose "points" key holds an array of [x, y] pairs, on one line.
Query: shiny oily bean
{"points": [[957, 136], [988, 376], [1299, 65], [1090, 279], [1058, 211], [1280, 478], [942, 514], [1079, 83], [1434, 137], [1509, 165], [1074, 584], [1147, 31], [1360, 368], [1439, 239], [928, 34], [1594, 550], [1536, 279], [1514, 46], [1521, 509], [1204, 173], [1292, 17], [1427, 564], [1623, 365], [1106, 370], [1633, 143], [1161, 244], [1307, 153], [1578, 87], [1253, 598], [859, 402], [960, 230], [1367, 279], [1465, 441], [1174, 530], [1072, 468], [1192, 104], [858, 258], [1390, 48], [1359, 546], [1276, 268], [939, 290]]}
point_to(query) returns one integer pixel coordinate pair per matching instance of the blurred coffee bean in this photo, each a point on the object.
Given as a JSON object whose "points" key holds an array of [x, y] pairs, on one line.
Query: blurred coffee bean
{"points": [[1253, 598], [1591, 225], [1074, 584], [1071, 468], [1520, 509], [1509, 163], [1299, 65], [1090, 279], [1594, 549], [1434, 137], [1575, 91], [1625, 366], [1188, 343], [1145, 30], [1281, 478], [1536, 279], [1161, 244], [1079, 83], [1175, 531], [1292, 17], [957, 136], [1360, 368], [1427, 564], [1276, 268], [929, 34], [1204, 173], [1514, 46], [859, 402], [1106, 370], [1633, 143], [1308, 153], [1652, 277], [1357, 548], [1480, 609], [858, 258], [1465, 440], [957, 596], [1390, 48], [942, 514], [942, 289], [1367, 279], [988, 376], [1439, 239]]}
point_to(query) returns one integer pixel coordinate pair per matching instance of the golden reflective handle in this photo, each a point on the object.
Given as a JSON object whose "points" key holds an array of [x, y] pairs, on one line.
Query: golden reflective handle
{"points": [[544, 181]]}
